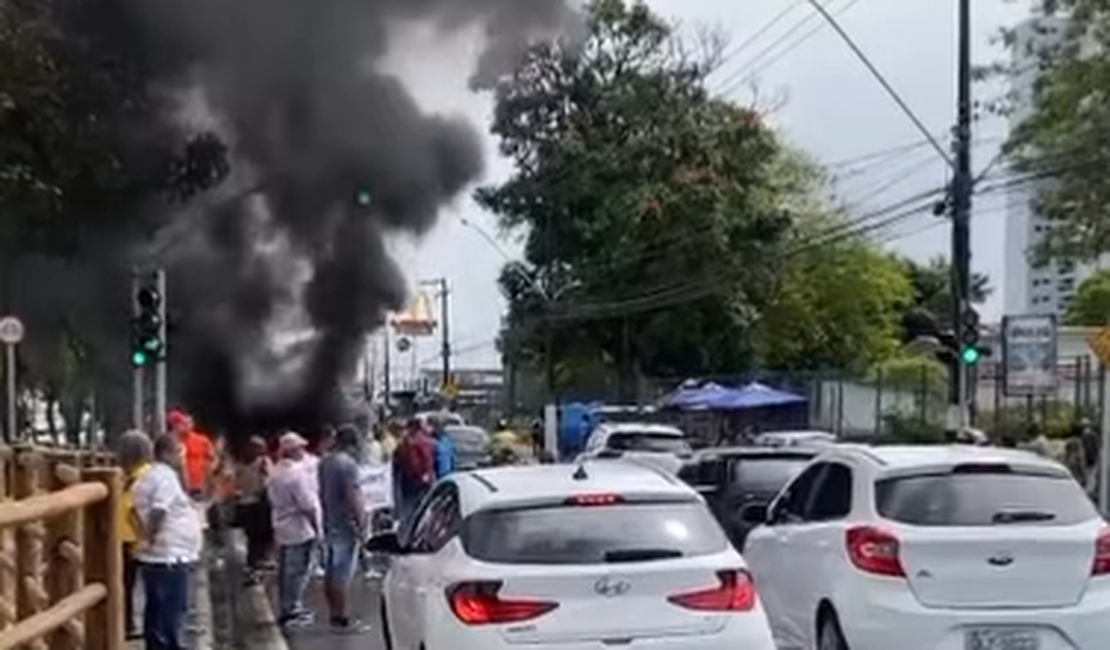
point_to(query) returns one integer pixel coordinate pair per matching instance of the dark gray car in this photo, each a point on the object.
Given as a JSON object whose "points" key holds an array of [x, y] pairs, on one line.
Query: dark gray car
{"points": [[471, 446]]}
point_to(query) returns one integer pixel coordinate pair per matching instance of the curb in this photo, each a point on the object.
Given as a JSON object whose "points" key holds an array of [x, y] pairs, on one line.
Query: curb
{"points": [[263, 632]]}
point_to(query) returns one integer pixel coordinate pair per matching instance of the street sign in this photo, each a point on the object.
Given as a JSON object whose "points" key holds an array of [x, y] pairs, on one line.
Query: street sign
{"points": [[11, 330], [1029, 355], [1099, 342]]}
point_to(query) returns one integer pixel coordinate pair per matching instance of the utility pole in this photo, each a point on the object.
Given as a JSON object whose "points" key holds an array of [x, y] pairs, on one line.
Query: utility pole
{"points": [[962, 188], [161, 367], [387, 367], [445, 330], [137, 374]]}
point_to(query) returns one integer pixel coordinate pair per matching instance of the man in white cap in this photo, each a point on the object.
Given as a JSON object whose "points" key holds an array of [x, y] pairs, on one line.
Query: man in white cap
{"points": [[295, 505]]}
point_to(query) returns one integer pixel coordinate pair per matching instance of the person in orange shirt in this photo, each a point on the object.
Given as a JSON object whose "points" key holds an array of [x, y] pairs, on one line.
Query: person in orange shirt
{"points": [[199, 454]]}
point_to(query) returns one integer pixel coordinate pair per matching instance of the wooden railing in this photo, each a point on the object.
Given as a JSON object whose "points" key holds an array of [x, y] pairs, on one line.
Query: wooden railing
{"points": [[61, 573]]}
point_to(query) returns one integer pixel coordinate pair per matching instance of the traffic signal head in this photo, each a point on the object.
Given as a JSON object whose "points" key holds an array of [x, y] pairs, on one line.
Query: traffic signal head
{"points": [[147, 346], [363, 197], [970, 355], [148, 299]]}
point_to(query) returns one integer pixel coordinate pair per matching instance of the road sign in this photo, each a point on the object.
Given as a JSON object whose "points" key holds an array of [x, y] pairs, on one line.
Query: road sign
{"points": [[11, 330], [1099, 342], [1029, 355]]}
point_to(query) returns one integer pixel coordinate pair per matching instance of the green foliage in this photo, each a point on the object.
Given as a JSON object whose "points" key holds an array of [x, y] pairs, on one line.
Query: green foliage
{"points": [[919, 373], [1053, 418], [932, 287], [901, 428], [1090, 307], [666, 231], [1063, 138], [838, 305]]}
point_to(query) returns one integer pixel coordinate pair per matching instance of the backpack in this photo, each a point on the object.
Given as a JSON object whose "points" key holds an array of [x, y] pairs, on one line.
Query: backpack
{"points": [[415, 460]]}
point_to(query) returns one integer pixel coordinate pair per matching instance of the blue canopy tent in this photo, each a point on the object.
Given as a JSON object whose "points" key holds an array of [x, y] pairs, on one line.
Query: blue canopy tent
{"points": [[756, 395], [693, 397]]}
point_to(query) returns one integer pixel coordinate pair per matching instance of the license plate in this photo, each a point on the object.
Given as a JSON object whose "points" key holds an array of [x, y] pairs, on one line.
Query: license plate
{"points": [[1002, 639]]}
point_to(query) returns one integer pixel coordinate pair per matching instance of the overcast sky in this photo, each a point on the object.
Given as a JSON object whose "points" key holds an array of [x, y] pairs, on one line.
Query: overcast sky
{"points": [[832, 108]]}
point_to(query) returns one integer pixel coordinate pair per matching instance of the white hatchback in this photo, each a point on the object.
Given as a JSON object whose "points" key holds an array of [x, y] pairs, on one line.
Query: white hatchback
{"points": [[566, 557], [933, 548]]}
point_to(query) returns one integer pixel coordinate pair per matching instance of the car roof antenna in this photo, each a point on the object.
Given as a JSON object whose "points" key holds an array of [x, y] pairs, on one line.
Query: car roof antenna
{"points": [[580, 473]]}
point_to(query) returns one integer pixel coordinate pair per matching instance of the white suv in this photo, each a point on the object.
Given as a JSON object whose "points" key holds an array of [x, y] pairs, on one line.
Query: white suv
{"points": [[659, 445], [568, 558], [933, 548]]}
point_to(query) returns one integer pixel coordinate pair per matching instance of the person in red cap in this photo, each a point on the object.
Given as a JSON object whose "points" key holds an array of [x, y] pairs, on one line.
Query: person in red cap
{"points": [[199, 453]]}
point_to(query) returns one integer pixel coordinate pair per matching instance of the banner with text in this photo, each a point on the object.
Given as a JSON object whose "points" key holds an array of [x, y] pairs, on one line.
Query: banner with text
{"points": [[1029, 355]]}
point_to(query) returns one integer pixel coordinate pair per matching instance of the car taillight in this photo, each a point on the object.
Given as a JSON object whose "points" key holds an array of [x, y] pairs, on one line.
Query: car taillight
{"points": [[1101, 564], [874, 551], [735, 593], [477, 603]]}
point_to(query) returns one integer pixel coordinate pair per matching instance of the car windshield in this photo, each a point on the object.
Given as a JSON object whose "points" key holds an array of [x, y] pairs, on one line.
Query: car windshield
{"points": [[766, 474], [649, 441], [468, 438], [593, 534], [983, 499]]}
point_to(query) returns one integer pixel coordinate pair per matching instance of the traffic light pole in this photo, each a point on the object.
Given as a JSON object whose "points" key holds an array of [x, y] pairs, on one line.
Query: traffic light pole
{"points": [[136, 371], [962, 188], [162, 359]]}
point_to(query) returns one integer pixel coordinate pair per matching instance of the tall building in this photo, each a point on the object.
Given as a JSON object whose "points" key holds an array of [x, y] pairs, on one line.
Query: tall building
{"points": [[1031, 289]]}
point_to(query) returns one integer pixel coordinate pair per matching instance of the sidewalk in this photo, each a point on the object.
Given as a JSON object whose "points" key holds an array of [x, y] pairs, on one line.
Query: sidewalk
{"points": [[365, 603]]}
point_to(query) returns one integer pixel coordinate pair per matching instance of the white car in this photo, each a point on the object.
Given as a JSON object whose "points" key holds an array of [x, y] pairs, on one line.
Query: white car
{"points": [[660, 445], [933, 548], [566, 557]]}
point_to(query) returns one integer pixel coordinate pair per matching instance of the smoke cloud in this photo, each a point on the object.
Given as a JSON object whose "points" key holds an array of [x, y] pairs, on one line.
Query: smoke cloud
{"points": [[294, 89]]}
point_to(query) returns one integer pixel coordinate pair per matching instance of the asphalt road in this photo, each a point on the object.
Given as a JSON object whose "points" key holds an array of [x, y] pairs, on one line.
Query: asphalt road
{"points": [[364, 602]]}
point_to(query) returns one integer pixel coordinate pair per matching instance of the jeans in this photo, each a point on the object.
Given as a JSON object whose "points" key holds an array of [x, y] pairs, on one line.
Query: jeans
{"points": [[341, 556], [166, 587], [130, 578], [294, 562]]}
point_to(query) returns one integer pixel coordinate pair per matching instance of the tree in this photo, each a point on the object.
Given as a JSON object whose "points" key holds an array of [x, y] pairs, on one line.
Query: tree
{"points": [[1090, 307], [837, 306], [1063, 137], [932, 287], [653, 213]]}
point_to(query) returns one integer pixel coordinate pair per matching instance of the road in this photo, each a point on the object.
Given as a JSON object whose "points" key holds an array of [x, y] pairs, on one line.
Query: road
{"points": [[364, 599]]}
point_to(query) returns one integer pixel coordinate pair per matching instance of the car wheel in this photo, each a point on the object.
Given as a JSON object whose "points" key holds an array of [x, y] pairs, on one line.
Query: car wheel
{"points": [[829, 636], [387, 635]]}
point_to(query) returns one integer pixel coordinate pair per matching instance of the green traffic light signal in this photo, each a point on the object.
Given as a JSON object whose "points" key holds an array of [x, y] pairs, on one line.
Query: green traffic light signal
{"points": [[139, 358], [363, 197], [970, 355]]}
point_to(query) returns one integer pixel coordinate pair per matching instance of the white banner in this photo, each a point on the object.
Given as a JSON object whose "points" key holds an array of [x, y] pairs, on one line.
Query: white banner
{"points": [[376, 484], [1029, 355]]}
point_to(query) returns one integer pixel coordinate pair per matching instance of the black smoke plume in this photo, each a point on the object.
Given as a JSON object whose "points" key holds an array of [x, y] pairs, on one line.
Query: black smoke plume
{"points": [[293, 89]]}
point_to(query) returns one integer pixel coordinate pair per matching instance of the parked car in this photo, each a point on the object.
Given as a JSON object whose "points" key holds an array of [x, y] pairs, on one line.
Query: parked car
{"points": [[444, 418], [735, 479], [472, 445], [661, 445], [927, 547]]}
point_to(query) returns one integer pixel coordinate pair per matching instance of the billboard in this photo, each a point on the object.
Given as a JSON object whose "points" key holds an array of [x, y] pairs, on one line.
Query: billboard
{"points": [[1029, 355]]}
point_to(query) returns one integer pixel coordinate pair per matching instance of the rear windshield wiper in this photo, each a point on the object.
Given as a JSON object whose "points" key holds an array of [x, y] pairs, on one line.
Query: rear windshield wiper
{"points": [[1020, 516], [641, 554]]}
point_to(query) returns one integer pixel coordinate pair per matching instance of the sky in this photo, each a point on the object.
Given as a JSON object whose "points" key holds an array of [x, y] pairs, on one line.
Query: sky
{"points": [[827, 103]]}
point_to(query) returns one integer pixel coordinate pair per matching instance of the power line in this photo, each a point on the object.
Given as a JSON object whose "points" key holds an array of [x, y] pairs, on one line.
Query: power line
{"points": [[768, 26]]}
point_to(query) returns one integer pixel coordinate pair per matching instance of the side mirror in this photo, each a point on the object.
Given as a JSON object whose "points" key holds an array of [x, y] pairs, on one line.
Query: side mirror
{"points": [[757, 514], [609, 454], [386, 543]]}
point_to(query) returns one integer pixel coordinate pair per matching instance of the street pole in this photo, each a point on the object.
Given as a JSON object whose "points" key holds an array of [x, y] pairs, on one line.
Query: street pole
{"points": [[12, 405], [136, 371], [387, 369], [161, 368], [444, 330], [962, 188]]}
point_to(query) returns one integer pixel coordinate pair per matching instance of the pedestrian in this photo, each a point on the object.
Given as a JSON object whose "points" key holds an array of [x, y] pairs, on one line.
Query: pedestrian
{"points": [[414, 468], [169, 546], [135, 453], [295, 508], [199, 453], [445, 456], [345, 525], [324, 442], [254, 509]]}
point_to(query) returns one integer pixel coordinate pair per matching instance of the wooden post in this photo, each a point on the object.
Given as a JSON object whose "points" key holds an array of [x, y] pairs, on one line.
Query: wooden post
{"points": [[104, 563], [29, 558], [66, 560], [8, 611]]}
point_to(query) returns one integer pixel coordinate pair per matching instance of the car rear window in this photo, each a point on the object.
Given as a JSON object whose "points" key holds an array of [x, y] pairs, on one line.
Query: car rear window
{"points": [[766, 474], [593, 534], [983, 499], [649, 442]]}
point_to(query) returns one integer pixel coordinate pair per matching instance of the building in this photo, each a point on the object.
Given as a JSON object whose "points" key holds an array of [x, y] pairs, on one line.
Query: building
{"points": [[1030, 289]]}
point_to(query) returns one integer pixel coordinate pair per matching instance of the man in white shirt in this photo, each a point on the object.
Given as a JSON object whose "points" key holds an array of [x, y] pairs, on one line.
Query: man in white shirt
{"points": [[169, 546], [295, 507]]}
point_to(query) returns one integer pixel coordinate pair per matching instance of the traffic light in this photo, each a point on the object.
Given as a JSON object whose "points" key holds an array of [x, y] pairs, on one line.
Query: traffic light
{"points": [[970, 352], [147, 346], [363, 197]]}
